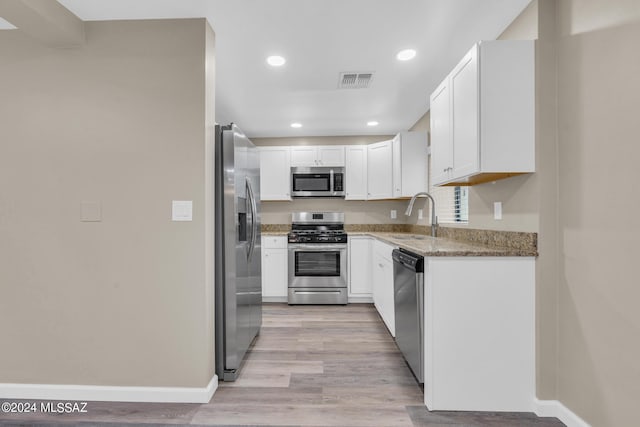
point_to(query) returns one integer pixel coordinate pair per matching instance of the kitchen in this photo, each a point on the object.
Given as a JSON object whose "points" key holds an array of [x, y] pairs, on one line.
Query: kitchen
{"points": [[133, 149]]}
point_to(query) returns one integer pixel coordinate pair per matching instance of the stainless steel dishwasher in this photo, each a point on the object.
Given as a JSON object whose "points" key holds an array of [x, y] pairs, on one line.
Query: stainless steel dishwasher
{"points": [[408, 284]]}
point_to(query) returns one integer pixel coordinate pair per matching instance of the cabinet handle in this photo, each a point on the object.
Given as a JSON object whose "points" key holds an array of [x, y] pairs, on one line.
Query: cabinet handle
{"points": [[445, 169]]}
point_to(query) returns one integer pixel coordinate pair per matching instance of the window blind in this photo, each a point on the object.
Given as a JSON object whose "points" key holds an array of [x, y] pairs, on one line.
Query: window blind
{"points": [[452, 204]]}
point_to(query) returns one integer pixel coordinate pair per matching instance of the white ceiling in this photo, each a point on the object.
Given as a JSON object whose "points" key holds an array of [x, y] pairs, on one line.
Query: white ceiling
{"points": [[320, 39]]}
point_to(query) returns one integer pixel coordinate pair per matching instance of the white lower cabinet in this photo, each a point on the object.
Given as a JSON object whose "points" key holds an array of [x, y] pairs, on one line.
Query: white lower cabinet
{"points": [[274, 269], [360, 264], [479, 333], [383, 295]]}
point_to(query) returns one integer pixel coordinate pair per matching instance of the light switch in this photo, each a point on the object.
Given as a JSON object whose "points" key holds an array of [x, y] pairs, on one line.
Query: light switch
{"points": [[182, 210], [497, 210], [394, 214], [90, 211]]}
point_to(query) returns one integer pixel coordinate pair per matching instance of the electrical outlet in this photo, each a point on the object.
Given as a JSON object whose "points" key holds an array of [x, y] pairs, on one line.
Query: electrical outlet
{"points": [[394, 214], [420, 213], [497, 210]]}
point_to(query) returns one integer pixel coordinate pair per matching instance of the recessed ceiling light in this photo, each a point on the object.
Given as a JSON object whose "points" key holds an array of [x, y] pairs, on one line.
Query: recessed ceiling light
{"points": [[372, 123], [405, 55], [276, 61], [296, 125]]}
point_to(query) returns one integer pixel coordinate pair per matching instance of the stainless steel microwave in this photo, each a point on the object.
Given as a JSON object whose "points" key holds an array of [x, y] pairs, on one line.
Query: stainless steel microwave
{"points": [[317, 182]]}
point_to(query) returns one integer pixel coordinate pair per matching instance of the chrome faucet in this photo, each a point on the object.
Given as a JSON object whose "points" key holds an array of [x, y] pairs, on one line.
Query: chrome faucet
{"points": [[434, 219]]}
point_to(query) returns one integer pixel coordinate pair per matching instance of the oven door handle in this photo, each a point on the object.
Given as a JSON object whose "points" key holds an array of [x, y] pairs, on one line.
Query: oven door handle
{"points": [[316, 248]]}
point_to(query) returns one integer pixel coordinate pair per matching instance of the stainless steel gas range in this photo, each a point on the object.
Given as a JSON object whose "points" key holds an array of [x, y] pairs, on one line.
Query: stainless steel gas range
{"points": [[317, 258]]}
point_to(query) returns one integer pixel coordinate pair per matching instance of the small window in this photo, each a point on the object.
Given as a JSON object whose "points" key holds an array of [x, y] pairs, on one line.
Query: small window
{"points": [[452, 204]]}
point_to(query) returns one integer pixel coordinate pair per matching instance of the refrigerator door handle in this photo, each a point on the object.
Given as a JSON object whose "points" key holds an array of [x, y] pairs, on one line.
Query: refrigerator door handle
{"points": [[254, 213]]}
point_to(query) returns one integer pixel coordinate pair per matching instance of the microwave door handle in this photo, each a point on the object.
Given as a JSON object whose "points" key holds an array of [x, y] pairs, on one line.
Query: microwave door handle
{"points": [[331, 181]]}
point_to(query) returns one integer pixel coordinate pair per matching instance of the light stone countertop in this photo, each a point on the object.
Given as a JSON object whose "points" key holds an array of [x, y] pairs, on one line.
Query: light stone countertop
{"points": [[430, 246]]}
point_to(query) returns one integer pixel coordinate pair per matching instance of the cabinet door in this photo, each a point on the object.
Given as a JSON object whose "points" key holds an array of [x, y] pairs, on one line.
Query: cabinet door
{"points": [[441, 148], [274, 273], [464, 115], [377, 281], [360, 267], [397, 165], [304, 156], [356, 172], [383, 296], [275, 173], [332, 155], [380, 170]]}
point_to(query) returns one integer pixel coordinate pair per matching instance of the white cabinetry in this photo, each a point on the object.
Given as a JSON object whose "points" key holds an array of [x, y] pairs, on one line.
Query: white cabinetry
{"points": [[409, 164], [397, 168], [441, 152], [383, 293], [479, 333], [360, 269], [274, 269], [380, 170], [275, 173], [356, 172], [483, 115], [317, 155]]}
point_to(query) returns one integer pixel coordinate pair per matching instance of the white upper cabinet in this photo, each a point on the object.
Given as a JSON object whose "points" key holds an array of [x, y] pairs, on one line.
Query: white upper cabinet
{"points": [[409, 164], [356, 172], [379, 170], [483, 115], [317, 155], [304, 156], [275, 173], [441, 149]]}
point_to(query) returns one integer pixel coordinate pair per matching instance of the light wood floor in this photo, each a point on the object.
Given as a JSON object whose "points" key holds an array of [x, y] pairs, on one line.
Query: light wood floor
{"points": [[310, 366]]}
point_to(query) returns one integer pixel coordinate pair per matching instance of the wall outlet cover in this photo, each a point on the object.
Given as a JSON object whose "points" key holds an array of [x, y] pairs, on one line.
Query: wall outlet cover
{"points": [[394, 214], [90, 211], [420, 213], [497, 210]]}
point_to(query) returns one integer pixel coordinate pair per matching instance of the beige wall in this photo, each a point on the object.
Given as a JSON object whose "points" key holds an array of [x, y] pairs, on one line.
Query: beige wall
{"points": [[126, 301], [598, 92], [580, 201], [356, 212]]}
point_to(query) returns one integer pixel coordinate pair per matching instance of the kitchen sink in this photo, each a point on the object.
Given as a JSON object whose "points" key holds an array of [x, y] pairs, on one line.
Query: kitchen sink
{"points": [[409, 237]]}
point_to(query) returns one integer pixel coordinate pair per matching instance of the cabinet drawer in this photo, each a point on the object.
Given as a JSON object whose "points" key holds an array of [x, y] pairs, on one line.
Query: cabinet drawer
{"points": [[383, 249], [274, 242]]}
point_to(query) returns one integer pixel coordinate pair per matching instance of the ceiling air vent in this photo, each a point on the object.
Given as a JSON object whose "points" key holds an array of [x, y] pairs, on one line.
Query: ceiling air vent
{"points": [[355, 80]]}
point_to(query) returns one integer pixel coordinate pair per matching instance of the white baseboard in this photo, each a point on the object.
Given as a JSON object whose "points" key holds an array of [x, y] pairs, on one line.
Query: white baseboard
{"points": [[274, 299], [110, 393], [360, 300], [554, 408]]}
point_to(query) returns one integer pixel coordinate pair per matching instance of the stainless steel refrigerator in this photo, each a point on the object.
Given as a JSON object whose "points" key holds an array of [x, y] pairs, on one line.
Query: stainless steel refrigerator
{"points": [[238, 282]]}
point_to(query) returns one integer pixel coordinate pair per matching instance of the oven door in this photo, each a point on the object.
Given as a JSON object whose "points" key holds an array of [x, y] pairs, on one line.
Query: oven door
{"points": [[317, 265]]}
